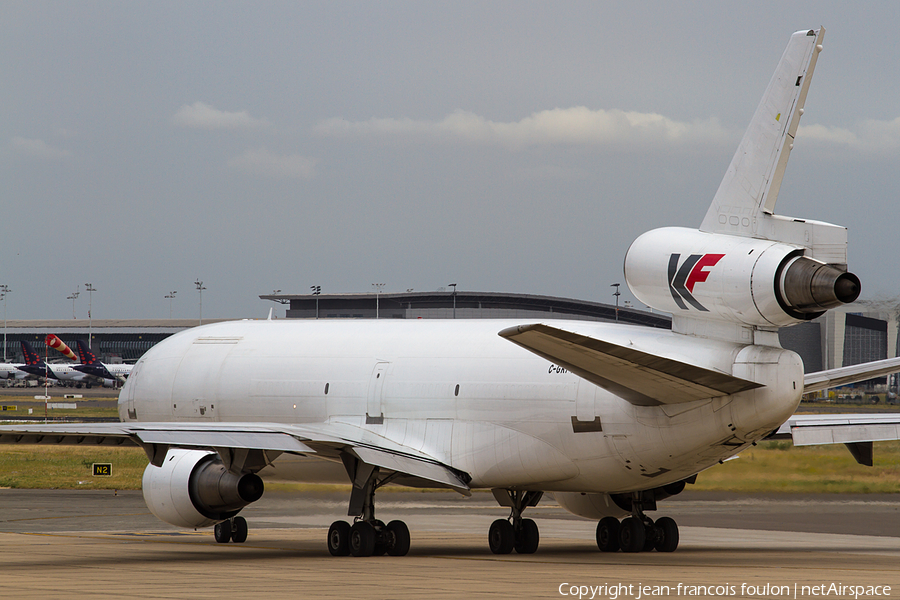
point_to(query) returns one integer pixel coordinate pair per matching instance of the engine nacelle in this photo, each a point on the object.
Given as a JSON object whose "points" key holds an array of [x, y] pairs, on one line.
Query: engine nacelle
{"points": [[737, 279], [194, 489]]}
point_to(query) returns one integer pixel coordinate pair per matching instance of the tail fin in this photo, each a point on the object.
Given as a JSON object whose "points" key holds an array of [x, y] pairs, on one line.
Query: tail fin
{"points": [[86, 354], [31, 357], [750, 187]]}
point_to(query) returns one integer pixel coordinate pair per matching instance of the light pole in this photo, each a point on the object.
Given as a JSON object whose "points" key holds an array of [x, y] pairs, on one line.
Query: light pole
{"points": [[72, 298], [616, 294], [170, 296], [453, 285], [377, 287], [90, 290], [4, 291], [316, 290], [200, 289]]}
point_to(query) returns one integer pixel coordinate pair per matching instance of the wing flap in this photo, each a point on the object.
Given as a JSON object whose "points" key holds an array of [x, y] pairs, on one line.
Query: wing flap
{"points": [[430, 471], [641, 378]]}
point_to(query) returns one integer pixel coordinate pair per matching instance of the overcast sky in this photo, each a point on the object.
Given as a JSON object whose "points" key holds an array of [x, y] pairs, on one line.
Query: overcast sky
{"points": [[503, 146]]}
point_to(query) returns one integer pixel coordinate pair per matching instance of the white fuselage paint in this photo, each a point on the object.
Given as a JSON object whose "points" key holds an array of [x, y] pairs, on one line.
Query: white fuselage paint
{"points": [[458, 392]]}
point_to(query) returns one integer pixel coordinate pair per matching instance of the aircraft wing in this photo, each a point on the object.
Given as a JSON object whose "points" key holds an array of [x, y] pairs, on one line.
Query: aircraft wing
{"points": [[638, 377], [822, 380], [326, 440]]}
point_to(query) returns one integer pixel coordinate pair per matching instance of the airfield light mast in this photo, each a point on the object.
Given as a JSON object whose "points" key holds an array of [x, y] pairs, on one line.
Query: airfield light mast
{"points": [[616, 294], [4, 291], [316, 290], [72, 298], [170, 296], [90, 290], [377, 287], [200, 289], [453, 285]]}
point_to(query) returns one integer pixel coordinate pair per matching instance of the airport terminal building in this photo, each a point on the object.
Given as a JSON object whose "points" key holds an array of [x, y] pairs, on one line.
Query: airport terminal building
{"points": [[842, 337]]}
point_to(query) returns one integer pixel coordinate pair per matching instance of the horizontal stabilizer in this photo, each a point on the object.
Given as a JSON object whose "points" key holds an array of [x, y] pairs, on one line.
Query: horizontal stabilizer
{"points": [[808, 430], [638, 377], [822, 380]]}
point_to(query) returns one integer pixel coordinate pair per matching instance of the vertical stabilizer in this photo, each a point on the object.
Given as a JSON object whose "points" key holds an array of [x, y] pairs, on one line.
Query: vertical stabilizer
{"points": [[750, 187]]}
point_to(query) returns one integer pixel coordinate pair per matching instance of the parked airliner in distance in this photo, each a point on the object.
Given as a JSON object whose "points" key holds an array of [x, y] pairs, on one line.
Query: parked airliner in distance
{"points": [[107, 374], [634, 414]]}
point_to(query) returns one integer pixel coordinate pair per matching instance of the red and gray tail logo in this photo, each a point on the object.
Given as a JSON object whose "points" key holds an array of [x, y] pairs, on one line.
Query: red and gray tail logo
{"points": [[682, 279]]}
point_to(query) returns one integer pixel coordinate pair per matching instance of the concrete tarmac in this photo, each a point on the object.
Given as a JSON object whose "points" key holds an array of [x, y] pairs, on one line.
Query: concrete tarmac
{"points": [[65, 544]]}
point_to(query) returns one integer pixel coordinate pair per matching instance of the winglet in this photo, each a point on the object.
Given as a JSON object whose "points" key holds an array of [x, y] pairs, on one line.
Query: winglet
{"points": [[749, 190]]}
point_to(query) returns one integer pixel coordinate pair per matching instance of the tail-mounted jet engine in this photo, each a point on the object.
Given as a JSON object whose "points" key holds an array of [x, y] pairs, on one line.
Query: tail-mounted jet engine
{"points": [[742, 280], [194, 489]]}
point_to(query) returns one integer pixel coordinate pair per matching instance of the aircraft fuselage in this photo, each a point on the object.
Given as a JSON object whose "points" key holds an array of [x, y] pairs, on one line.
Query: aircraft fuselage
{"points": [[458, 392]]}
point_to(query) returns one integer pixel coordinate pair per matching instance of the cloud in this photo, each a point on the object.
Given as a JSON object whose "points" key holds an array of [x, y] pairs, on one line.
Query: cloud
{"points": [[37, 149], [260, 161], [578, 125], [870, 135], [203, 116]]}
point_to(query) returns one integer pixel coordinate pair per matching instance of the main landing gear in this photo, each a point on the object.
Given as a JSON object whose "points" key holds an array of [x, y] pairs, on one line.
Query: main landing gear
{"points": [[231, 530], [514, 532], [367, 536], [637, 533]]}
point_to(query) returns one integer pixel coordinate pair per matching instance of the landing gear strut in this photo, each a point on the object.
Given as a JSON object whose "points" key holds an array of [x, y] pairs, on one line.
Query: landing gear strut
{"points": [[637, 533], [514, 532], [367, 536]]}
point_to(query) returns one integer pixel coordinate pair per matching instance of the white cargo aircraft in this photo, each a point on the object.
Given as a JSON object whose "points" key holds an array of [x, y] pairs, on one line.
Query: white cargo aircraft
{"points": [[607, 418]]}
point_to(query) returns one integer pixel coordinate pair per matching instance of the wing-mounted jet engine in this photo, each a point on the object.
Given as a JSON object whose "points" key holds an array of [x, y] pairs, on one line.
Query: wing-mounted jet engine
{"points": [[192, 488]]}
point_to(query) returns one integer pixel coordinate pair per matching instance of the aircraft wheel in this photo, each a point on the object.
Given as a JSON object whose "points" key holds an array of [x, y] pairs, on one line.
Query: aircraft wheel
{"points": [[339, 538], [222, 532], [631, 535], [362, 539], [501, 537], [398, 538], [608, 534], [527, 537], [239, 530], [667, 535]]}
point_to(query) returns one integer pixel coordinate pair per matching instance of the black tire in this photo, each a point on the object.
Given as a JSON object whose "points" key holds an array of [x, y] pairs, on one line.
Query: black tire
{"points": [[501, 537], [239, 530], [362, 539], [631, 535], [222, 532], [608, 534], [527, 537], [667, 535], [398, 538], [339, 538]]}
